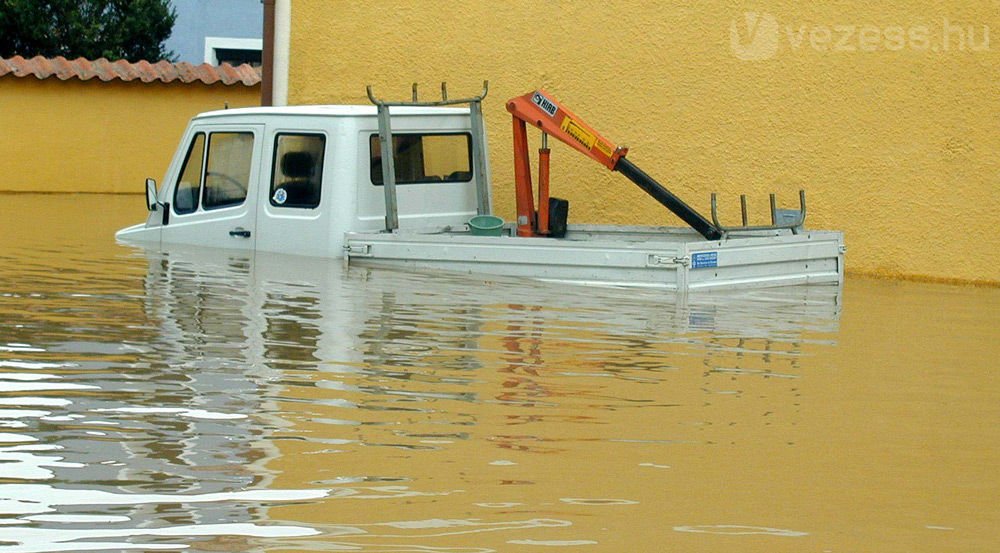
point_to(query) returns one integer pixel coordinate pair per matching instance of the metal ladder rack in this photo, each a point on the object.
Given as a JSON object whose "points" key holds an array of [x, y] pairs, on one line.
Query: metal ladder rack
{"points": [[480, 167], [794, 225]]}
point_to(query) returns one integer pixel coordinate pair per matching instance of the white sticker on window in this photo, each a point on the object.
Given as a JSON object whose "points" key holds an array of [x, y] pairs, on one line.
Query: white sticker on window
{"points": [[280, 196]]}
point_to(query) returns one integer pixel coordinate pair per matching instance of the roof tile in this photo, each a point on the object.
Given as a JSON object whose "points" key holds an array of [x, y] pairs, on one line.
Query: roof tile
{"points": [[104, 70]]}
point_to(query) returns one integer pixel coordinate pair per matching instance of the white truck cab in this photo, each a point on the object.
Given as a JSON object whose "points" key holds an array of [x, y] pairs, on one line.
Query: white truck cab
{"points": [[297, 179]]}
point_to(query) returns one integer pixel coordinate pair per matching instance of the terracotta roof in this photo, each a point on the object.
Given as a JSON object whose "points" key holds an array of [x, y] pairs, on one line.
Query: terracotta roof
{"points": [[163, 71]]}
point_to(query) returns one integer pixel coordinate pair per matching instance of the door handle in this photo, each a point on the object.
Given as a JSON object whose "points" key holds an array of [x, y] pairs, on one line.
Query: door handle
{"points": [[238, 231]]}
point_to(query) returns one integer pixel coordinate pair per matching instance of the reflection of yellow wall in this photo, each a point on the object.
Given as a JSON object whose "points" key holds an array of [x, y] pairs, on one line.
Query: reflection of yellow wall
{"points": [[93, 136], [231, 154], [444, 155], [844, 427], [897, 146]]}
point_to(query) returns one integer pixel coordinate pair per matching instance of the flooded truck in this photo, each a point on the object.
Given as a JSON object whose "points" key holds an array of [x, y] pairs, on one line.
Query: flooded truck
{"points": [[407, 185]]}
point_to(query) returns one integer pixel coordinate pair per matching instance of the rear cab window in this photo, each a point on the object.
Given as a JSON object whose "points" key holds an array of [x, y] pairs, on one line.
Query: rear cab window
{"points": [[425, 157]]}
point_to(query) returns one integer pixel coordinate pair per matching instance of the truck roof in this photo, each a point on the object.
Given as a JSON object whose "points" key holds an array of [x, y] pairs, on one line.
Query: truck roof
{"points": [[332, 111]]}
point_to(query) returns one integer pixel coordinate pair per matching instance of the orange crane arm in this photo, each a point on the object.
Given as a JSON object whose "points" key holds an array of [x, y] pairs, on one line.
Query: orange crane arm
{"points": [[541, 110]]}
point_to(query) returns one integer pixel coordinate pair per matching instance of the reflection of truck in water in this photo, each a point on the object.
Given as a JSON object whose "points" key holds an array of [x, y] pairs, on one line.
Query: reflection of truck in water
{"points": [[377, 383], [406, 184], [321, 320]]}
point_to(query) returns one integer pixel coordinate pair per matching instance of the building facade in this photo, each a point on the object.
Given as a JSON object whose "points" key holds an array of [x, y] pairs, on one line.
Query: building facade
{"points": [[219, 31], [886, 116]]}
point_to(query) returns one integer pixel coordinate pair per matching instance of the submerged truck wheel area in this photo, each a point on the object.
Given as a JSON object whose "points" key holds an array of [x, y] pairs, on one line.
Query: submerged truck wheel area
{"points": [[398, 183]]}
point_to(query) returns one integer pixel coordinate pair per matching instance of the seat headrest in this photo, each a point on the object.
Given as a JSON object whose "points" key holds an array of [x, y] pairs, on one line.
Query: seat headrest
{"points": [[297, 165]]}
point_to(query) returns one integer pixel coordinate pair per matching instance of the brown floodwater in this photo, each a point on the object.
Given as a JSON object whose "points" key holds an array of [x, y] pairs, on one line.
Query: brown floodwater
{"points": [[217, 401]]}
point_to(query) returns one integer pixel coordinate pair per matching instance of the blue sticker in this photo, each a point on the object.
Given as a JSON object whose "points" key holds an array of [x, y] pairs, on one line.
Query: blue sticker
{"points": [[280, 196], [704, 260]]}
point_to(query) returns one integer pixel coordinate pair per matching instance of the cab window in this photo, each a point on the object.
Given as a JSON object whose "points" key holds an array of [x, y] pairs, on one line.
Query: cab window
{"points": [[297, 174], [424, 158], [188, 189], [227, 170], [216, 172]]}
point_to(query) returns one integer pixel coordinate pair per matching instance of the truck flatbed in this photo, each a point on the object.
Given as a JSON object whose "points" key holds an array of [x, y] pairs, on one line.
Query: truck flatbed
{"points": [[663, 257]]}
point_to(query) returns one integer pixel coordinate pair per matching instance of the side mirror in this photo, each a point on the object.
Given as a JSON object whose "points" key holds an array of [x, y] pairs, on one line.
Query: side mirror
{"points": [[151, 202]]}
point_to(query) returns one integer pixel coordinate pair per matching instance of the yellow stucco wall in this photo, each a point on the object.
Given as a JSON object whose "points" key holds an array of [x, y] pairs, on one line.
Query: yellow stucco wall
{"points": [[93, 136], [893, 130]]}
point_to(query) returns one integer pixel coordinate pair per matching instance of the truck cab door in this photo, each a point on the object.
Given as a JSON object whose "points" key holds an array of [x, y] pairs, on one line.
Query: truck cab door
{"points": [[212, 200], [296, 207]]}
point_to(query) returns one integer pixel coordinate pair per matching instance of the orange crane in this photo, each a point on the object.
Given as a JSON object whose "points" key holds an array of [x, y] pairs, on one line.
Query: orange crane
{"points": [[541, 110]]}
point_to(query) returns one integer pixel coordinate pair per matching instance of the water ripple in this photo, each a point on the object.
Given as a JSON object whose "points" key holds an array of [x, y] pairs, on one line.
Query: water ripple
{"points": [[152, 400]]}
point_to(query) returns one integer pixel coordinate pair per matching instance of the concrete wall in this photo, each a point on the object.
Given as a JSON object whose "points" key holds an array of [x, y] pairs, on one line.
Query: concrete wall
{"points": [[888, 115], [93, 136], [197, 19]]}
